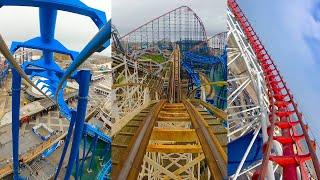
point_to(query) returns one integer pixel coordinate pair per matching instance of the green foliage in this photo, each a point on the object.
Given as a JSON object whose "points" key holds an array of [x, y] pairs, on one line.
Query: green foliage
{"points": [[154, 57], [120, 79]]}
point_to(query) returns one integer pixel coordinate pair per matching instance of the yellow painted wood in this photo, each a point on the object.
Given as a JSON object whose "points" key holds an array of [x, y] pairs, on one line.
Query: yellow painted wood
{"points": [[163, 148], [177, 135]]}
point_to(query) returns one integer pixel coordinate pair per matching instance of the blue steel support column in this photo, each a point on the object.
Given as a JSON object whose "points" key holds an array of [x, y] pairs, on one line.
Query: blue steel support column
{"points": [[47, 19], [87, 153], [105, 152], [66, 143], [83, 153], [77, 167], [16, 88], [93, 151], [83, 78]]}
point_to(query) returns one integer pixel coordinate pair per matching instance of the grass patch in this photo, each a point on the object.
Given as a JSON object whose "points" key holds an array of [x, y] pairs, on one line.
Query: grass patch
{"points": [[120, 79], [154, 57]]}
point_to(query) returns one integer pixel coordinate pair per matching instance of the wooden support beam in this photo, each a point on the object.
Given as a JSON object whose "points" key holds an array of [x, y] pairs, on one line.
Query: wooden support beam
{"points": [[176, 135], [189, 164], [174, 105], [174, 114], [165, 148], [163, 117], [160, 168]]}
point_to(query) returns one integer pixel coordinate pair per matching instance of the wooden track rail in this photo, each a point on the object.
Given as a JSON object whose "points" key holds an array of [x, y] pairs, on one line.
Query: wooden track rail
{"points": [[201, 138], [32, 154]]}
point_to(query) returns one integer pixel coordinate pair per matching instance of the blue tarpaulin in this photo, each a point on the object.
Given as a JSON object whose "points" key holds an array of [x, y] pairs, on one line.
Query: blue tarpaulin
{"points": [[238, 147]]}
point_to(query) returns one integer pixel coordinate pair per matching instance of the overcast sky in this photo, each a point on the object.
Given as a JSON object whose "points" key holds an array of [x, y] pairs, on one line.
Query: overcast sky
{"points": [[74, 31], [129, 14]]}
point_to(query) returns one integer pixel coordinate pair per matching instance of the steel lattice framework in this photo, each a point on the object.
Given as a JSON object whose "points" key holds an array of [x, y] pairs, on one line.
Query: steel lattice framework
{"points": [[55, 78], [262, 111], [214, 45], [180, 24]]}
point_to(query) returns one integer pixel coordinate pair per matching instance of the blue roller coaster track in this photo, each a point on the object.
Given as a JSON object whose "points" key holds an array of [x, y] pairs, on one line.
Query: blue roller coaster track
{"points": [[55, 78], [213, 66], [105, 170]]}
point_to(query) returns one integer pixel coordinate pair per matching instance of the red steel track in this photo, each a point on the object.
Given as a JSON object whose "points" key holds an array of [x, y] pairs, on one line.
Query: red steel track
{"points": [[283, 113]]}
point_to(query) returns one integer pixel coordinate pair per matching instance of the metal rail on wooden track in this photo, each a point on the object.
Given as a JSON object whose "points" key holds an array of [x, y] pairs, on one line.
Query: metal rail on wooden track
{"points": [[180, 140], [133, 159], [214, 153], [214, 110], [174, 90]]}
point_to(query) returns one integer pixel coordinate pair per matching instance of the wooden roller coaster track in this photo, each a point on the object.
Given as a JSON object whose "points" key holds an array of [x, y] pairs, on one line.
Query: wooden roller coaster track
{"points": [[169, 127]]}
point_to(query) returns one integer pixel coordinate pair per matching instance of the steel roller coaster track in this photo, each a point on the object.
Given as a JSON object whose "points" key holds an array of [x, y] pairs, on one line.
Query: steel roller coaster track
{"points": [[56, 79], [283, 114]]}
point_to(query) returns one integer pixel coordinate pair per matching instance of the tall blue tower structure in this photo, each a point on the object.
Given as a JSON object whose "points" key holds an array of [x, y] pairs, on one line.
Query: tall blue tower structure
{"points": [[55, 78]]}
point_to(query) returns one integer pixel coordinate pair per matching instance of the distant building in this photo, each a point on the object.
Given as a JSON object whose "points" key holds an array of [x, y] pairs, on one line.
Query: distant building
{"points": [[102, 89], [98, 77]]}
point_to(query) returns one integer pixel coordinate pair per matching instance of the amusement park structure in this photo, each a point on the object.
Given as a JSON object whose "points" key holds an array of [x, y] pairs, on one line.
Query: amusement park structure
{"points": [[177, 25], [168, 100], [267, 136], [182, 105], [55, 78]]}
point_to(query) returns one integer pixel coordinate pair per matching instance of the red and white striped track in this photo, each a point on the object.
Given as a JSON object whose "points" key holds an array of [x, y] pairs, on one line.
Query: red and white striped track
{"points": [[283, 114]]}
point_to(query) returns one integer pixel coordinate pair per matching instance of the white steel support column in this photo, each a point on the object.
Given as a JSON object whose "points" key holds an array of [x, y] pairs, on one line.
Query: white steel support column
{"points": [[250, 93]]}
